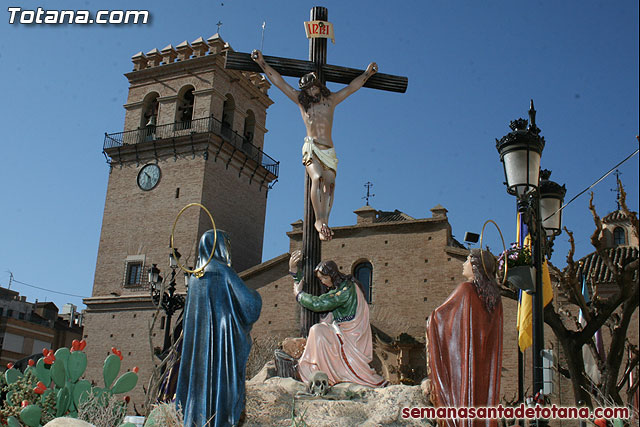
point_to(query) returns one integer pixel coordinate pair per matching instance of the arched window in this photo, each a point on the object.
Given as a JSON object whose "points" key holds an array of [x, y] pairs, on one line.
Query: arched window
{"points": [[364, 273], [149, 118], [184, 110], [618, 236], [249, 129], [228, 110], [249, 126]]}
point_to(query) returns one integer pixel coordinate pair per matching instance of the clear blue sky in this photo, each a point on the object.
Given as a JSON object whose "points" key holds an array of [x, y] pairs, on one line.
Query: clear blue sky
{"points": [[472, 67]]}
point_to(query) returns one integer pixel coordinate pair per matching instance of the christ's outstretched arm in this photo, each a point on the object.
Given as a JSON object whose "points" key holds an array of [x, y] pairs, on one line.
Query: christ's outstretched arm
{"points": [[355, 84], [274, 76]]}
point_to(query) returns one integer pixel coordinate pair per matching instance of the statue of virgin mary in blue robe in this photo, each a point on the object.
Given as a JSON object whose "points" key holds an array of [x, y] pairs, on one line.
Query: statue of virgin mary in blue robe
{"points": [[218, 316]]}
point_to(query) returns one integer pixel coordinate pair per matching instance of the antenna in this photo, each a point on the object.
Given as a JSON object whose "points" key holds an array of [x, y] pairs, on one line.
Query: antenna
{"points": [[617, 173], [264, 25], [369, 195], [10, 278]]}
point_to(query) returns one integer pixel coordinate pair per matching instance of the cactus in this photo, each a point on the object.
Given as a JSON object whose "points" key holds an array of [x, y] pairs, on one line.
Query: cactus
{"points": [[125, 383], [12, 375], [13, 422], [30, 415], [54, 388]]}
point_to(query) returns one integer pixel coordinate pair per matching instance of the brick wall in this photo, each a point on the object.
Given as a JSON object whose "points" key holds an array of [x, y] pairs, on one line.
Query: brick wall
{"points": [[415, 268]]}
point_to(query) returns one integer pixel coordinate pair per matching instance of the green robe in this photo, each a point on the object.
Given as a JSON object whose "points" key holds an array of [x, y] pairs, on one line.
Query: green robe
{"points": [[341, 301]]}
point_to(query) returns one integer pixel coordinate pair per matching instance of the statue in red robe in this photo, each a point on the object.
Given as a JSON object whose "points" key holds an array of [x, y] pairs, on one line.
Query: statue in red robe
{"points": [[464, 343]]}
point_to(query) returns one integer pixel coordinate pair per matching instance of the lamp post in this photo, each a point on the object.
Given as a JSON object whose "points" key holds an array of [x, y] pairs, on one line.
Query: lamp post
{"points": [[167, 299], [538, 201]]}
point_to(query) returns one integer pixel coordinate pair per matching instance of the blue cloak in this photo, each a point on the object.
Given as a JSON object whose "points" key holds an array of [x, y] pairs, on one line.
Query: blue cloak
{"points": [[218, 316]]}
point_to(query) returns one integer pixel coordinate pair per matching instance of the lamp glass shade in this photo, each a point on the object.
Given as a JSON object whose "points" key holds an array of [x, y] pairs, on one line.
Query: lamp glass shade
{"points": [[153, 274], [522, 170], [551, 218], [186, 279], [173, 263]]}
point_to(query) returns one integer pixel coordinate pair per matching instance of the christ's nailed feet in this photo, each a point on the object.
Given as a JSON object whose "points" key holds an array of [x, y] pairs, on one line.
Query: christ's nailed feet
{"points": [[325, 232]]}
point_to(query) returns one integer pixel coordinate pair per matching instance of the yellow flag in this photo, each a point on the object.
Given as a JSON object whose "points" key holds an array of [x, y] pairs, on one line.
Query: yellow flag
{"points": [[525, 305]]}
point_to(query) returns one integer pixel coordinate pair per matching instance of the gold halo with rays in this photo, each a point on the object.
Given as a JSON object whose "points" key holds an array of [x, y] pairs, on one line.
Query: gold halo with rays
{"points": [[504, 248], [198, 272]]}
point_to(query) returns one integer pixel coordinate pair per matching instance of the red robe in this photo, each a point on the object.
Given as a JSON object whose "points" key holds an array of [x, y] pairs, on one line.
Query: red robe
{"points": [[464, 345]]}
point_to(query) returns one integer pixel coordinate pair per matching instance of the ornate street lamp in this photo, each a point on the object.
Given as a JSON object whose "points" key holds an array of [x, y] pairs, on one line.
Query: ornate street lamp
{"points": [[186, 279], [539, 202], [551, 199], [154, 274], [173, 260], [169, 301], [520, 152]]}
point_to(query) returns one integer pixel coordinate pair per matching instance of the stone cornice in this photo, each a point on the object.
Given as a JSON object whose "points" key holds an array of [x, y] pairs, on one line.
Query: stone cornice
{"points": [[379, 226], [132, 105], [170, 98], [204, 91], [456, 251], [261, 127], [124, 302]]}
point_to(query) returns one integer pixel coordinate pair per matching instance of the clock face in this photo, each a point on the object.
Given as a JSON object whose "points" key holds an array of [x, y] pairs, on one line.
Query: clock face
{"points": [[148, 177]]}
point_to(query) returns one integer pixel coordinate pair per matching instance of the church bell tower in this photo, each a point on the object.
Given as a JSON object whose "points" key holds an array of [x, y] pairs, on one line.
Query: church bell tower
{"points": [[193, 132]]}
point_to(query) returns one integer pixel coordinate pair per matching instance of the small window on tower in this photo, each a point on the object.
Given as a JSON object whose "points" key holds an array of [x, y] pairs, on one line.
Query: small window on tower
{"points": [[134, 273], [618, 236]]}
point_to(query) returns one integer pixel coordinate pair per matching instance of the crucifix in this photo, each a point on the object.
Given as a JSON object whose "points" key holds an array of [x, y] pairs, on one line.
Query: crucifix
{"points": [[314, 230]]}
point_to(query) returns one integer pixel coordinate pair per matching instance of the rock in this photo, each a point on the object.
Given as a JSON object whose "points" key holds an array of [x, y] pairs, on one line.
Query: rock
{"points": [[286, 385], [267, 371], [273, 402], [67, 422], [425, 386], [294, 347]]}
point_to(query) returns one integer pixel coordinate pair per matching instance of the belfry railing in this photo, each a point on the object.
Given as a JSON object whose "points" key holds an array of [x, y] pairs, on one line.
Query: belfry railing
{"points": [[191, 127]]}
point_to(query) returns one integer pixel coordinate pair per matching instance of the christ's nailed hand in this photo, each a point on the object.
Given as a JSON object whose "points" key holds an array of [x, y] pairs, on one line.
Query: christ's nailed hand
{"points": [[256, 55], [371, 69]]}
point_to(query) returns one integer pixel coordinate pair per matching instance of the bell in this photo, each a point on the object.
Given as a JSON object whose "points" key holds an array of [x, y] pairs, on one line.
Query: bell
{"points": [[152, 121]]}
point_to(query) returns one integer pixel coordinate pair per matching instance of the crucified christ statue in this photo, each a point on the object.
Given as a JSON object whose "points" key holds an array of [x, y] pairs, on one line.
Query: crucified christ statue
{"points": [[317, 104]]}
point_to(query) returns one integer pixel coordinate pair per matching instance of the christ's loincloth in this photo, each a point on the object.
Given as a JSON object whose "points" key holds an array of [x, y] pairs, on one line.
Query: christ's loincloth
{"points": [[326, 157]]}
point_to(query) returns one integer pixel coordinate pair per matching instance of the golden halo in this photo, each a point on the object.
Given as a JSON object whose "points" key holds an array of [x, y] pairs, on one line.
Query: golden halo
{"points": [[504, 279], [198, 272]]}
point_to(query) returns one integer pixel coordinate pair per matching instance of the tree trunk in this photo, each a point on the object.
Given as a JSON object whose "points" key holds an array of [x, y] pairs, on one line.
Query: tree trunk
{"points": [[616, 350], [573, 355]]}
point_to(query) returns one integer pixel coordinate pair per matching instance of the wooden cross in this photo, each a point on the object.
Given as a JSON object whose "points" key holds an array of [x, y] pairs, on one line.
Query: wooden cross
{"points": [[297, 68]]}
